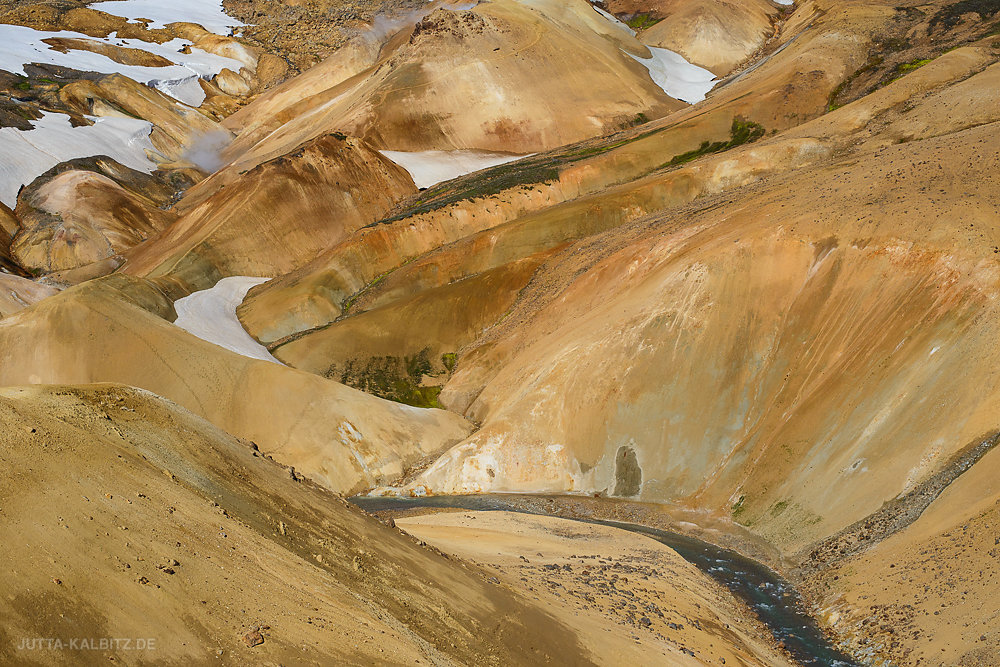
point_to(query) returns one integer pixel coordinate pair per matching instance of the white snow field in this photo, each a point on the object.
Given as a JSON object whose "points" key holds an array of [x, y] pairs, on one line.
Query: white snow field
{"points": [[206, 13], [20, 45], [211, 315], [676, 76], [28, 154], [670, 71], [428, 168]]}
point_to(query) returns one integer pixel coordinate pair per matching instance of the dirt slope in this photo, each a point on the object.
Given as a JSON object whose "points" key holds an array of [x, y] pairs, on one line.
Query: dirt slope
{"points": [[775, 308], [502, 76], [85, 211], [136, 519], [112, 331], [721, 342], [786, 89], [583, 573], [277, 216], [927, 595], [716, 34]]}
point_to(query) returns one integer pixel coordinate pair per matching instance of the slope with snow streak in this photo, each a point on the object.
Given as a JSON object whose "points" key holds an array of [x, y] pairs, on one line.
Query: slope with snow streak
{"points": [[211, 315], [209, 14], [20, 45], [670, 71], [676, 76], [28, 154], [428, 168], [615, 21]]}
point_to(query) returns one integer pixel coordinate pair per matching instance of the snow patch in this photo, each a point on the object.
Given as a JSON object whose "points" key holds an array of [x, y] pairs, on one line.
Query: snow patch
{"points": [[428, 168], [209, 14], [20, 45], [211, 315], [614, 20], [30, 153], [676, 76]]}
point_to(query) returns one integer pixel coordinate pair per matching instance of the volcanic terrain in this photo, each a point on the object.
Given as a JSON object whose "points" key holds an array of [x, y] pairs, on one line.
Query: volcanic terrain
{"points": [[724, 268]]}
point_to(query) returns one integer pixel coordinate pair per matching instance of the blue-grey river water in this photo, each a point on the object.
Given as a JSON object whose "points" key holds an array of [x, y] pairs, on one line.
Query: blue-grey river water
{"points": [[771, 597]]}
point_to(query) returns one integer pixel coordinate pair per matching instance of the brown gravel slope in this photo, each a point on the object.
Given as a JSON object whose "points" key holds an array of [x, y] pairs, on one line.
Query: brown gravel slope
{"points": [[125, 516]]}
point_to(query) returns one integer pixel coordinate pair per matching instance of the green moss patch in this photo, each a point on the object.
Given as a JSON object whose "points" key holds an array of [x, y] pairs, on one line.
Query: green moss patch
{"points": [[740, 133], [393, 378], [641, 21], [904, 68]]}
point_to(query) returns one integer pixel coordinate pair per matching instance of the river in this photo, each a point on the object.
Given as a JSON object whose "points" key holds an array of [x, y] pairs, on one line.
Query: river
{"points": [[770, 596]]}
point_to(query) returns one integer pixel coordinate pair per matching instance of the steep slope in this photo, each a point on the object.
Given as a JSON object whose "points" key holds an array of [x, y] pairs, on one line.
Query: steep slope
{"points": [[930, 110], [17, 293], [501, 76], [136, 519], [278, 215], [377, 351], [785, 89], [716, 34], [774, 309], [699, 626], [792, 357], [927, 594], [111, 330], [85, 211], [660, 348], [8, 228]]}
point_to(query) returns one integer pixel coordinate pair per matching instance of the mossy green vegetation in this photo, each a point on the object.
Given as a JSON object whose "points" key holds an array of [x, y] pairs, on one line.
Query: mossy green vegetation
{"points": [[489, 182], [345, 306], [738, 509], [904, 68], [873, 62], [740, 133], [545, 168], [449, 359], [778, 507], [523, 173], [393, 378], [640, 119], [641, 21]]}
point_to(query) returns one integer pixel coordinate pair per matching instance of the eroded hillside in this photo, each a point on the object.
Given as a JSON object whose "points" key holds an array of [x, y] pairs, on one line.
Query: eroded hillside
{"points": [[737, 259]]}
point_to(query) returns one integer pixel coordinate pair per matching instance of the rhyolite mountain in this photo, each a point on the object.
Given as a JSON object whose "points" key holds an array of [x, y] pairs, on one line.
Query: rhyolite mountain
{"points": [[739, 260]]}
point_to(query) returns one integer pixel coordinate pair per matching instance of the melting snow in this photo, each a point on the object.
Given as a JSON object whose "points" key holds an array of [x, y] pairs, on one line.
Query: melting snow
{"points": [[428, 168], [20, 45], [614, 20], [206, 13], [211, 315], [670, 71], [27, 154], [676, 76]]}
